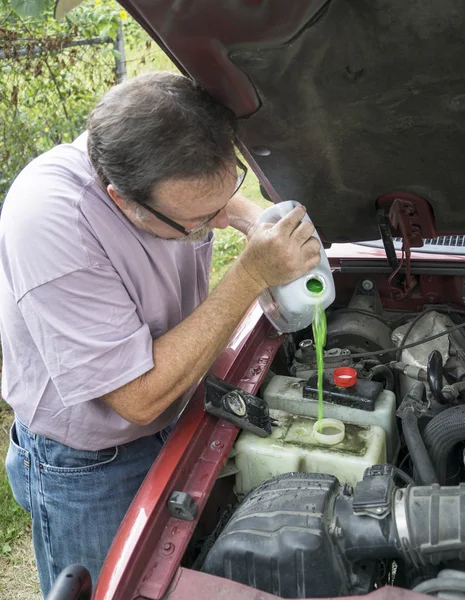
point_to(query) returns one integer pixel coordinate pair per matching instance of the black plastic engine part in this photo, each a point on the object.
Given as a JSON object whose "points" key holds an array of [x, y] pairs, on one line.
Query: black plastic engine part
{"points": [[277, 541], [298, 535], [362, 395], [246, 411], [373, 494], [441, 435]]}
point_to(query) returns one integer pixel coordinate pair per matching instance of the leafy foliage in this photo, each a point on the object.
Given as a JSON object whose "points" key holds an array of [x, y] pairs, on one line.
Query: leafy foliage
{"points": [[52, 73], [28, 8]]}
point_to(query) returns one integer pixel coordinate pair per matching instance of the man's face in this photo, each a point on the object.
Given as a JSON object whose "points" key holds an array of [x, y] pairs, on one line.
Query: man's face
{"points": [[197, 205]]}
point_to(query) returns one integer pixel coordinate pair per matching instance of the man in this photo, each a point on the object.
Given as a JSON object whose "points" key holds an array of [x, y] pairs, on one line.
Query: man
{"points": [[105, 321]]}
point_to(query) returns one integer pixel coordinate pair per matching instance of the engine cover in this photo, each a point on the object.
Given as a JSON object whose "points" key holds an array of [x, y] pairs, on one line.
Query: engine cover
{"points": [[277, 541]]}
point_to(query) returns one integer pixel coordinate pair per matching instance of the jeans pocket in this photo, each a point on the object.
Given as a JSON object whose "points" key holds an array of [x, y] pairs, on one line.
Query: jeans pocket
{"points": [[18, 467], [60, 458]]}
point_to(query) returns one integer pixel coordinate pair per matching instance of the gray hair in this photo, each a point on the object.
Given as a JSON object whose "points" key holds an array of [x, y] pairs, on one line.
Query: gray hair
{"points": [[155, 127]]}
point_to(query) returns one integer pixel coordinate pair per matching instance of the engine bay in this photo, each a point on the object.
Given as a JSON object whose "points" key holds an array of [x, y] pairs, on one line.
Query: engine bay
{"points": [[385, 504]]}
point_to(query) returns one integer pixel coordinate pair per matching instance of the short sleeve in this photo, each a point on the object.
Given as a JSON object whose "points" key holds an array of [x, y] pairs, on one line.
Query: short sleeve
{"points": [[88, 332]]}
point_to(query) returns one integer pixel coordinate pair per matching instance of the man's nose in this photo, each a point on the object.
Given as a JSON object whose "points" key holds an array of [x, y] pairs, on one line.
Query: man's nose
{"points": [[221, 221]]}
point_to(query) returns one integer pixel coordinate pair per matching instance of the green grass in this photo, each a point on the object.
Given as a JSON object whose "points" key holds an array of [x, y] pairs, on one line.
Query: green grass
{"points": [[13, 519], [229, 243]]}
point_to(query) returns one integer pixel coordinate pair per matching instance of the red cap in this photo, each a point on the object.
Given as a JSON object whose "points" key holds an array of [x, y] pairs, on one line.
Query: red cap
{"points": [[345, 377]]}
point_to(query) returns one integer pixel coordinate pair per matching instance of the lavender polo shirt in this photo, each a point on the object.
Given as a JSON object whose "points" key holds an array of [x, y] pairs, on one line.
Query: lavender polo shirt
{"points": [[83, 293]]}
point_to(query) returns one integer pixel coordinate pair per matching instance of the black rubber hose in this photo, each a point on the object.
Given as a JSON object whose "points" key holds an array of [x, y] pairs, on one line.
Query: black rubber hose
{"points": [[435, 375], [423, 466], [384, 374], [441, 434]]}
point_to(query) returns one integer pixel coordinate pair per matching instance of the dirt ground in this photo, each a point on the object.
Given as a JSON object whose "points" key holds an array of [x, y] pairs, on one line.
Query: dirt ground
{"points": [[18, 573]]}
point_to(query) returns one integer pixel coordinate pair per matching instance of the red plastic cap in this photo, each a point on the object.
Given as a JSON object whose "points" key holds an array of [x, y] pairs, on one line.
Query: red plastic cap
{"points": [[345, 377]]}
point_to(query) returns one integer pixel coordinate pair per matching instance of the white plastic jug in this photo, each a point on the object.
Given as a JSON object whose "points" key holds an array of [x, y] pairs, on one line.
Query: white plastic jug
{"points": [[290, 307]]}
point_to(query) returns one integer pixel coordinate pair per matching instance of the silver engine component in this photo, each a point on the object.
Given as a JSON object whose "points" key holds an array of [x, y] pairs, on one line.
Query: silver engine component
{"points": [[304, 364]]}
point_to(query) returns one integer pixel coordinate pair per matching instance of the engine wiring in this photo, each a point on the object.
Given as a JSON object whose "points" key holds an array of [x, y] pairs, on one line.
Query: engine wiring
{"points": [[372, 314], [407, 346], [403, 475]]}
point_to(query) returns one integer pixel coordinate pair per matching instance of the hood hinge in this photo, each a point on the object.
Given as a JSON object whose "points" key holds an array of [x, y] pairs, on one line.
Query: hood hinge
{"points": [[411, 218]]}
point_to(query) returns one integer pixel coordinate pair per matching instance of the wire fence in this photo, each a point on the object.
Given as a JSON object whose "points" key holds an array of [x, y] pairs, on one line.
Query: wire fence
{"points": [[47, 88], [49, 84]]}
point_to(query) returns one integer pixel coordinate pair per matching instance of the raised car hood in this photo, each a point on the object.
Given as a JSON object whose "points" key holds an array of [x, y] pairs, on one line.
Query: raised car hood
{"points": [[340, 102]]}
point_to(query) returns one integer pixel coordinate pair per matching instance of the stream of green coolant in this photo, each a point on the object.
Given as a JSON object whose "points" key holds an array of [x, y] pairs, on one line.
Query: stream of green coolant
{"points": [[319, 336]]}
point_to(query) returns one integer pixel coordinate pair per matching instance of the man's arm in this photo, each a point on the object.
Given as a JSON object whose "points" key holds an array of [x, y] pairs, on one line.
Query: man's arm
{"points": [[275, 255], [243, 213]]}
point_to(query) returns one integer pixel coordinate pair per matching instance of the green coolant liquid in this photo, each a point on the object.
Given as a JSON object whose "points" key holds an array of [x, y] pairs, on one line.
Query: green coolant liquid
{"points": [[319, 336]]}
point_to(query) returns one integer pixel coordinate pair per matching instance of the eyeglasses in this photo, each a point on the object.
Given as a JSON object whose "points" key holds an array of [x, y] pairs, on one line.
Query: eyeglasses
{"points": [[240, 180]]}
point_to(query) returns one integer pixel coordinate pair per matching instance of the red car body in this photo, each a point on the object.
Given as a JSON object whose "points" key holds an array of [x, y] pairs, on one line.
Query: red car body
{"points": [[145, 560]]}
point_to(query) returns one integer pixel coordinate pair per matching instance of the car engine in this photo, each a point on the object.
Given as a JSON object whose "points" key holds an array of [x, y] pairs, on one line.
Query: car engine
{"points": [[384, 504]]}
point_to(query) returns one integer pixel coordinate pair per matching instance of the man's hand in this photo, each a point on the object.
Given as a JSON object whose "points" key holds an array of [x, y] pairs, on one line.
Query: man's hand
{"points": [[278, 254]]}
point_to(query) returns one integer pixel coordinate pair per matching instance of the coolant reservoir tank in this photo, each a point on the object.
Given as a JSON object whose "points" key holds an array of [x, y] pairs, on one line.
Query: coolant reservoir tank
{"points": [[290, 307], [299, 444], [285, 393]]}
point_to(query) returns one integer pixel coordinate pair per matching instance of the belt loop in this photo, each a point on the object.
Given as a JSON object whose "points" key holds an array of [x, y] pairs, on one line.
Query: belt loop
{"points": [[25, 428]]}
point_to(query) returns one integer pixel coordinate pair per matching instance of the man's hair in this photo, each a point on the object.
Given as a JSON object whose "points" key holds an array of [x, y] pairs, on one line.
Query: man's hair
{"points": [[155, 127]]}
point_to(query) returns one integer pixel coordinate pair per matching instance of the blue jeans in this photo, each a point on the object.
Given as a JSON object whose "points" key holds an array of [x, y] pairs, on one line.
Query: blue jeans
{"points": [[77, 499]]}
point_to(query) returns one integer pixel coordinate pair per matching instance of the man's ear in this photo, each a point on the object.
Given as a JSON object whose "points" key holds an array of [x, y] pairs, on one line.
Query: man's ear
{"points": [[117, 198]]}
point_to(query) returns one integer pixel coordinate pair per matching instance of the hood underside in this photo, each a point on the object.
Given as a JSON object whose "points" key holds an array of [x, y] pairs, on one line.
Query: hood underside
{"points": [[340, 102]]}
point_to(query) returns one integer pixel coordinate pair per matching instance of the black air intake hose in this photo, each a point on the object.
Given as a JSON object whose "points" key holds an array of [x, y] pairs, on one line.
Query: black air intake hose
{"points": [[425, 527], [429, 523], [422, 463], [302, 535], [441, 435]]}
